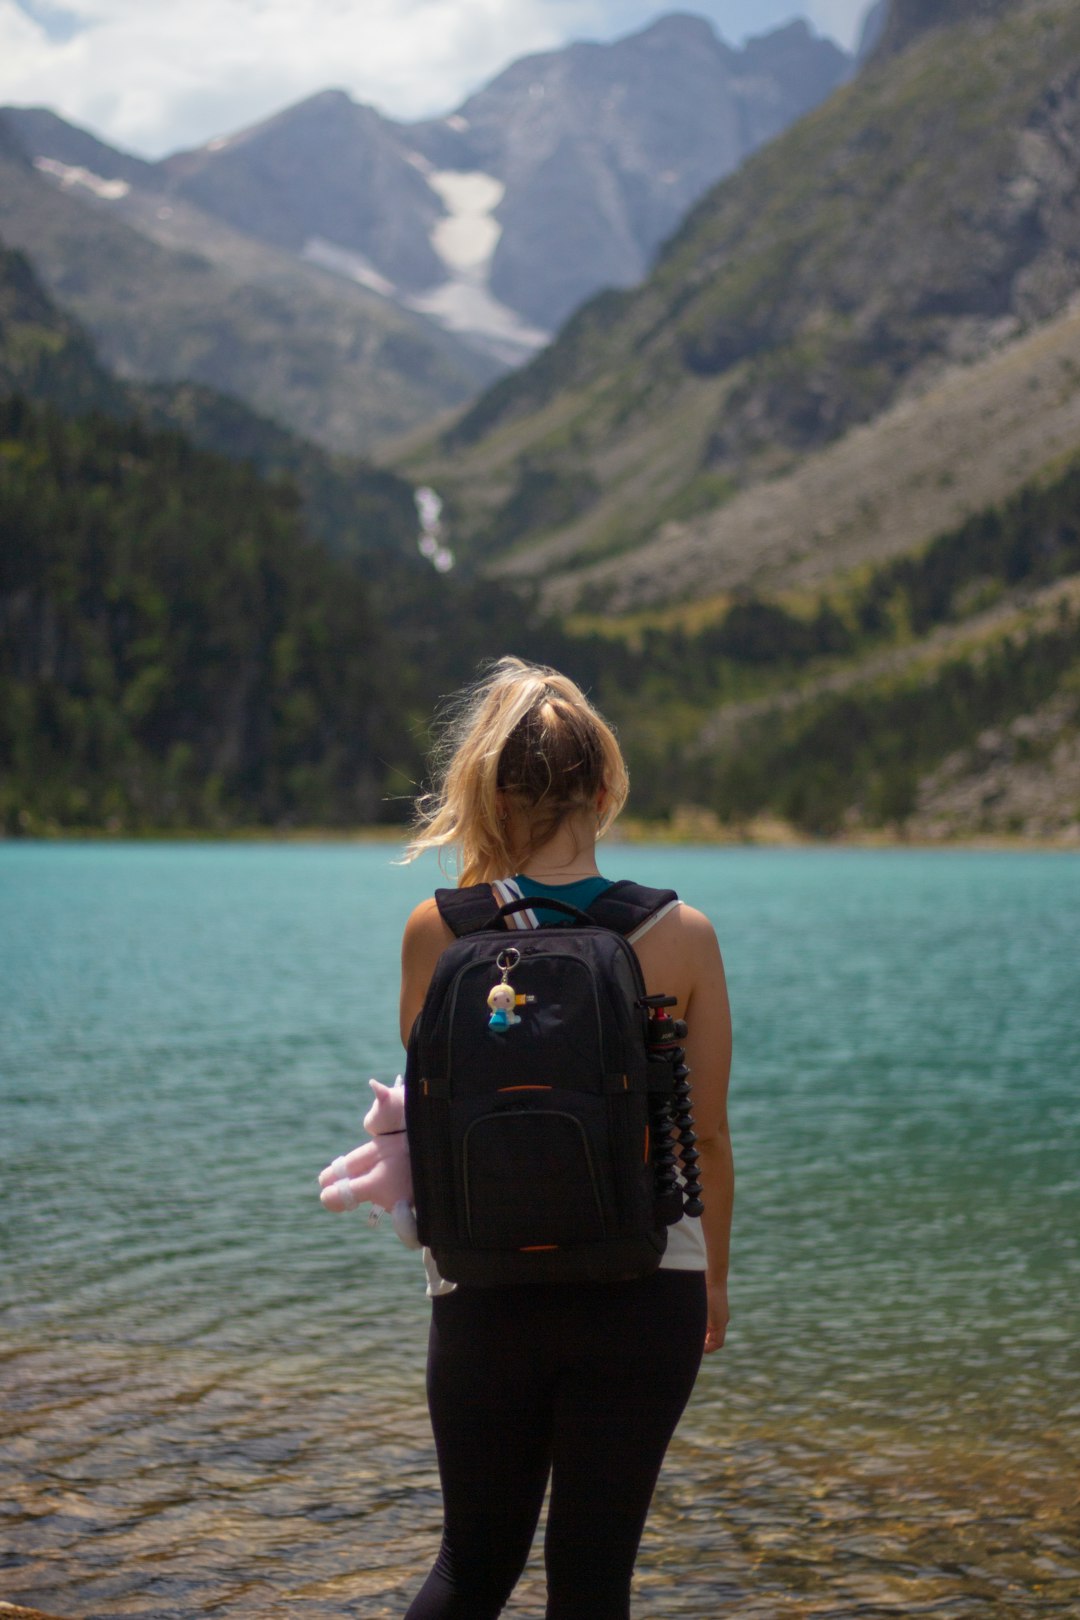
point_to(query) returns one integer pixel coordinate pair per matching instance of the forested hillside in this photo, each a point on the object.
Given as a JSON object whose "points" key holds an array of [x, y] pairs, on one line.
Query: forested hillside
{"points": [[840, 712], [175, 652], [43, 353], [356, 508], [194, 639]]}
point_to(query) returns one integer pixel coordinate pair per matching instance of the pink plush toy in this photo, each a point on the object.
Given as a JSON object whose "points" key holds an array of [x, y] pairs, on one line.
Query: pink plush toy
{"points": [[378, 1172]]}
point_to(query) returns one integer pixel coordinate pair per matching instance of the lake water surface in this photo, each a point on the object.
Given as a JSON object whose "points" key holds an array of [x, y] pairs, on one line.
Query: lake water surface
{"points": [[212, 1391]]}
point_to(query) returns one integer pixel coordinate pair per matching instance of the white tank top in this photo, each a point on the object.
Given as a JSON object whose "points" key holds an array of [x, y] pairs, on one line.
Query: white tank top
{"points": [[685, 1252]]}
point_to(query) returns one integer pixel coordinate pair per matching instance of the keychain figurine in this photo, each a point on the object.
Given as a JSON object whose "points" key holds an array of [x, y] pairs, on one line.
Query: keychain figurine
{"points": [[502, 1001], [502, 998]]}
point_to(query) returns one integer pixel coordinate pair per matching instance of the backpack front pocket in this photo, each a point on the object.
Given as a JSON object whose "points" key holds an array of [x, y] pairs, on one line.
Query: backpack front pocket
{"points": [[530, 1181]]}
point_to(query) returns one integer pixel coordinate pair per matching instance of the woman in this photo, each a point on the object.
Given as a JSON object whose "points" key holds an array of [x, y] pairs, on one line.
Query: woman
{"points": [[582, 1382]]}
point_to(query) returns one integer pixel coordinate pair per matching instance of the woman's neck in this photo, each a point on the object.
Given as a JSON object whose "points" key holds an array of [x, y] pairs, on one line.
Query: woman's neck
{"points": [[559, 874], [569, 854]]}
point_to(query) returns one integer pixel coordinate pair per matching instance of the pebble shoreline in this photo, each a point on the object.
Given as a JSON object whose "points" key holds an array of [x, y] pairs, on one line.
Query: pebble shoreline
{"points": [[14, 1612]]}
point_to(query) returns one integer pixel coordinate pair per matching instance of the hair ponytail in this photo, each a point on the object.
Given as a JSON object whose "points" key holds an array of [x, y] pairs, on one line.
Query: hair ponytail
{"points": [[531, 734]]}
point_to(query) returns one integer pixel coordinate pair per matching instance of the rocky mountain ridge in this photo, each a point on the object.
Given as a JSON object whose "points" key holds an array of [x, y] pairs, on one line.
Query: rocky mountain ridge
{"points": [[561, 176], [320, 355]]}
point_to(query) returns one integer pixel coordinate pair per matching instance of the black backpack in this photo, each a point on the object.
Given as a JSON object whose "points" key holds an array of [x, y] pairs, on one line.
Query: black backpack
{"points": [[540, 1116]]}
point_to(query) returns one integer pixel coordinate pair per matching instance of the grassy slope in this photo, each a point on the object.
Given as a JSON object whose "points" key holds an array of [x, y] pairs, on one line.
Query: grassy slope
{"points": [[972, 437], [884, 234]]}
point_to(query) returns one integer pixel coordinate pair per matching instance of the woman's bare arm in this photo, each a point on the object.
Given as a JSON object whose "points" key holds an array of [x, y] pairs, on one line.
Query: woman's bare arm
{"points": [[426, 937]]}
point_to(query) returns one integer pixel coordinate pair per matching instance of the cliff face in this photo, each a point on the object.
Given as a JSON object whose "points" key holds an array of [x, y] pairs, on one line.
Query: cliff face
{"points": [[872, 29], [906, 20], [603, 148]]}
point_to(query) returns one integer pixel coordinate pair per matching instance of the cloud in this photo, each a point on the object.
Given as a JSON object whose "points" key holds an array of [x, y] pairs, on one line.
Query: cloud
{"points": [[154, 77], [57, 23]]}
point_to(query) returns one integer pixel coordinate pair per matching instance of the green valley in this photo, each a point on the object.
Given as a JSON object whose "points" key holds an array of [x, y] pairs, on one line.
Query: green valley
{"points": [[802, 511]]}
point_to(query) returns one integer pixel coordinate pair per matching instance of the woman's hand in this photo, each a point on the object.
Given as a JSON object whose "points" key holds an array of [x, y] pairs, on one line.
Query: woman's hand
{"points": [[718, 1316]]}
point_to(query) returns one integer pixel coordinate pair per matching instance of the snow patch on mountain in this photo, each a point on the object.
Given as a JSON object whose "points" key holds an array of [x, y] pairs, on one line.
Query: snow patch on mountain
{"points": [[346, 262], [473, 311], [71, 174], [465, 239]]}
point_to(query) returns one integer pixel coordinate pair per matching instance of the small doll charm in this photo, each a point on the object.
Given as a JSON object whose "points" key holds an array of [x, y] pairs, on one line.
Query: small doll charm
{"points": [[502, 998], [502, 1001]]}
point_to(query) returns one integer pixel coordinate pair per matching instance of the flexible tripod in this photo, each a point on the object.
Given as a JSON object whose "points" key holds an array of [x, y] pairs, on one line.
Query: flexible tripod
{"points": [[672, 1119]]}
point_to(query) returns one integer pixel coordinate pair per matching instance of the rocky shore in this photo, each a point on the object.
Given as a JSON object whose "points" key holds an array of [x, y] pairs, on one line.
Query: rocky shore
{"points": [[12, 1611]]}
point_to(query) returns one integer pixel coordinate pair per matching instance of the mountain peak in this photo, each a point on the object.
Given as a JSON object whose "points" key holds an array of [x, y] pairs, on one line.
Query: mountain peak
{"points": [[786, 53], [39, 132], [681, 28], [327, 99], [778, 320], [797, 30]]}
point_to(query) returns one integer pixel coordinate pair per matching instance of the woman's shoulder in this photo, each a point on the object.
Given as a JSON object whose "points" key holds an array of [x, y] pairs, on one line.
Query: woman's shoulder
{"points": [[678, 917], [425, 923], [686, 922], [423, 912], [681, 947], [690, 920], [425, 938]]}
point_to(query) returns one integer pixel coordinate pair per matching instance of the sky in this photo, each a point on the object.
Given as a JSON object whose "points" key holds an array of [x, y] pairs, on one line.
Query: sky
{"points": [[154, 76]]}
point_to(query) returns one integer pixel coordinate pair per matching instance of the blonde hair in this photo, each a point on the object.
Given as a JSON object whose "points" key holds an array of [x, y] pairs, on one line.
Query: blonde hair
{"points": [[528, 732]]}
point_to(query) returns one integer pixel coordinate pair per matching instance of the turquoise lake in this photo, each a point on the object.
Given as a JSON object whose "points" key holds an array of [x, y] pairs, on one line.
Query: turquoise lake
{"points": [[212, 1390]]}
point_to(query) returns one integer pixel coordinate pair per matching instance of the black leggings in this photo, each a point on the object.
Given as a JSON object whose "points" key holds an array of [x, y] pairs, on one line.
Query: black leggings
{"points": [[584, 1382]]}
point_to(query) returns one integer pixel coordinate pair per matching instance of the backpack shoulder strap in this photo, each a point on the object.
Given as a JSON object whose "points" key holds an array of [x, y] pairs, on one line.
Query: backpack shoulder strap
{"points": [[631, 909], [627, 908], [467, 911]]}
